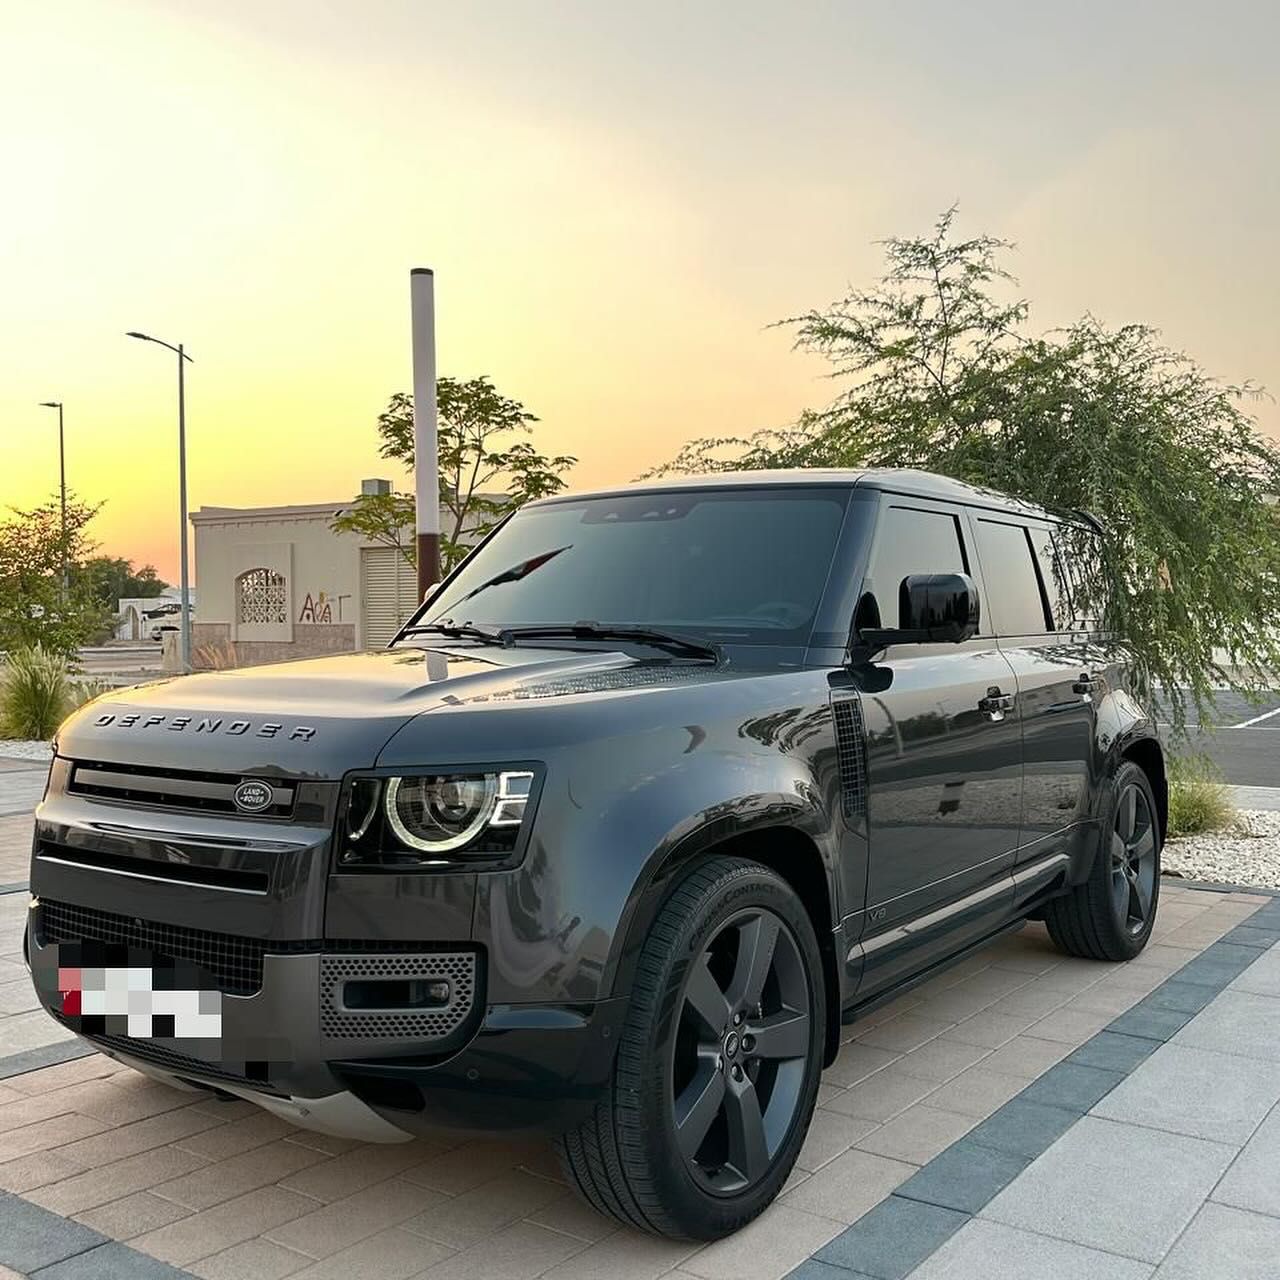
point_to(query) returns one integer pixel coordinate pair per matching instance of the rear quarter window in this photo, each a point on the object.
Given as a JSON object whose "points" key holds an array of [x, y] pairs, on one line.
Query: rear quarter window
{"points": [[1051, 558]]}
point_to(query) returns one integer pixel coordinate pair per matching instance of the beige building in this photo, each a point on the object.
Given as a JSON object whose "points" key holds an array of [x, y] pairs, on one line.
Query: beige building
{"points": [[278, 582]]}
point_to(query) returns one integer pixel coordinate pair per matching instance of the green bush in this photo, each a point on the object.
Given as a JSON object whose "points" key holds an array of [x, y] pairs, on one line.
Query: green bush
{"points": [[35, 694], [85, 690], [1198, 799]]}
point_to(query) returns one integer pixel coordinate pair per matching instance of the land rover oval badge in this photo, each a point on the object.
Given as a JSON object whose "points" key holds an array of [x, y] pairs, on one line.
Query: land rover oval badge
{"points": [[252, 796]]}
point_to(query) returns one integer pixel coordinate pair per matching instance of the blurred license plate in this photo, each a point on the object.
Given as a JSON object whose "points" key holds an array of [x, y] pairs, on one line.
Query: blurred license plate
{"points": [[142, 1001]]}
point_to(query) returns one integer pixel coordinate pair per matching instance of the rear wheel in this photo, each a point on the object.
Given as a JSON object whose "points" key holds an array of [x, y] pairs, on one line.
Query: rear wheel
{"points": [[718, 1063], [1111, 915]]}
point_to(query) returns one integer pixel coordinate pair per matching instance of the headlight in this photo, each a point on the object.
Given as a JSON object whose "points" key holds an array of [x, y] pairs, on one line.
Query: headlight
{"points": [[440, 813], [396, 821]]}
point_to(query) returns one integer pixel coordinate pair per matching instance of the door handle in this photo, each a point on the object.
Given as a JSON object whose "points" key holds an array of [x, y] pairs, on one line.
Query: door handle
{"points": [[1085, 685], [996, 704]]}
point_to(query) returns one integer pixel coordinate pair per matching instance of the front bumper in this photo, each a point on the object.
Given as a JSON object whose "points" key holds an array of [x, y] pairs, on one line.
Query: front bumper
{"points": [[253, 911], [296, 1049]]}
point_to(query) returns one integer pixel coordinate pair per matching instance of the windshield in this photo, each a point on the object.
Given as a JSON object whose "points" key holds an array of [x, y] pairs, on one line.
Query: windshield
{"points": [[740, 565]]}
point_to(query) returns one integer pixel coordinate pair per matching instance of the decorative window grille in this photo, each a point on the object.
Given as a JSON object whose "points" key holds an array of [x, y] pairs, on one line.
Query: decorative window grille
{"points": [[261, 598]]}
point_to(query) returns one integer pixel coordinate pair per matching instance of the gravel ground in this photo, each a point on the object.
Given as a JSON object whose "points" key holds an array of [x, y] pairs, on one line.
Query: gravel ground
{"points": [[1246, 854], [25, 749]]}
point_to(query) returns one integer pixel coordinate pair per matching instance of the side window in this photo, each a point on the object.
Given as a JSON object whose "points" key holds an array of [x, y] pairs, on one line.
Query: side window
{"points": [[909, 541], [1051, 557], [1013, 586]]}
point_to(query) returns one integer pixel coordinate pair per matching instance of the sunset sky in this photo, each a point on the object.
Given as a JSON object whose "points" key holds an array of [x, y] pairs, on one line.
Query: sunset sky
{"points": [[617, 201]]}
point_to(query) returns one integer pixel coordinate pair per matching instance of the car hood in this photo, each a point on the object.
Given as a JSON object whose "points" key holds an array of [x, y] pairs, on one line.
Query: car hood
{"points": [[320, 717]]}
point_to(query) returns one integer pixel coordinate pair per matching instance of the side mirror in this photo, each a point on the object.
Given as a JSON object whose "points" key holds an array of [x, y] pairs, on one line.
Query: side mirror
{"points": [[939, 607]]}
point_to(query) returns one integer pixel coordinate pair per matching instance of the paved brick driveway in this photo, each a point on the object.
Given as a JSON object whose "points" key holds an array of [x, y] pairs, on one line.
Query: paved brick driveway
{"points": [[221, 1190]]}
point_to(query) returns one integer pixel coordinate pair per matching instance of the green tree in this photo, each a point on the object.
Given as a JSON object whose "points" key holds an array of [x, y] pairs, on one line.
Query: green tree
{"points": [[486, 469], [939, 372], [35, 610], [113, 578]]}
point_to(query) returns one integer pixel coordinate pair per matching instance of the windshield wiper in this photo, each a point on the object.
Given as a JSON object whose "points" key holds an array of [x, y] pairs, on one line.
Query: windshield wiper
{"points": [[517, 572], [685, 646], [460, 631]]}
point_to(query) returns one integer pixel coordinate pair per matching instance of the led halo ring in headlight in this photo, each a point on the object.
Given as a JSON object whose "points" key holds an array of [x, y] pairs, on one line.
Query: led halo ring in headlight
{"points": [[436, 813]]}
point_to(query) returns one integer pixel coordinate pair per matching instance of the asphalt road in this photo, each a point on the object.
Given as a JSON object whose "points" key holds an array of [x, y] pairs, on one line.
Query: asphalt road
{"points": [[1243, 739], [120, 660]]}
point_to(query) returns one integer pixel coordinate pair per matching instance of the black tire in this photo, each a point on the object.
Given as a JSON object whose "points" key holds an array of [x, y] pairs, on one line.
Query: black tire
{"points": [[626, 1159], [1110, 916]]}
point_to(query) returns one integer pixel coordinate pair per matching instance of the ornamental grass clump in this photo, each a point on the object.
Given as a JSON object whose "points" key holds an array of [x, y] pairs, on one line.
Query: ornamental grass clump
{"points": [[35, 694], [1198, 799]]}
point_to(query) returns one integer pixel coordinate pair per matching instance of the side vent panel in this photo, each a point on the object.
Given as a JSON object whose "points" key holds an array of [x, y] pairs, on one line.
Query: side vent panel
{"points": [[851, 749]]}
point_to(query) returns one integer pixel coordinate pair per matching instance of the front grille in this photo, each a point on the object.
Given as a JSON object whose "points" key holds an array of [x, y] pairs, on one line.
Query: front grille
{"points": [[458, 968], [175, 789], [181, 1065], [235, 963]]}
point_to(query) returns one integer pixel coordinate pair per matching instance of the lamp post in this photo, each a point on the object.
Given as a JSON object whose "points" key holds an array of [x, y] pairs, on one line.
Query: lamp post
{"points": [[62, 482], [182, 489]]}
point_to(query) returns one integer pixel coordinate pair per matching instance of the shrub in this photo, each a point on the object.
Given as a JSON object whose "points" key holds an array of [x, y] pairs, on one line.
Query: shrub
{"points": [[82, 691], [35, 694], [1198, 799], [218, 656]]}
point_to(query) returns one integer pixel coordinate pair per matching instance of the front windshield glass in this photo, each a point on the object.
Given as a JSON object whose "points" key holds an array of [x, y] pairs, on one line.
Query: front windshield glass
{"points": [[745, 566]]}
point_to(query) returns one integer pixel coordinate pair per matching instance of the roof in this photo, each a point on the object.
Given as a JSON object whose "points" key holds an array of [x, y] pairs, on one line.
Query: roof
{"points": [[304, 511], [921, 484]]}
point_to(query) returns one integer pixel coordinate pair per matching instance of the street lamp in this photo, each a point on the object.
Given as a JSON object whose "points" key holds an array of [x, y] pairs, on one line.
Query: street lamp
{"points": [[182, 488], [62, 473]]}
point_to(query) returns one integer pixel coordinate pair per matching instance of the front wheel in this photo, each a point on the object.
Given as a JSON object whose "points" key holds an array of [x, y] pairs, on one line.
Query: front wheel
{"points": [[1110, 916], [718, 1062]]}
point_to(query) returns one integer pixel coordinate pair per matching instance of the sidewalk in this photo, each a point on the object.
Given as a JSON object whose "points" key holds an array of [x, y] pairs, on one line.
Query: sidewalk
{"points": [[1169, 1169]]}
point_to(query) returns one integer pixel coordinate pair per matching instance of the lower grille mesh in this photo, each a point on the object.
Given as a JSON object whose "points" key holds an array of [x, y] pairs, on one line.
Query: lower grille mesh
{"points": [[178, 1063], [235, 963]]}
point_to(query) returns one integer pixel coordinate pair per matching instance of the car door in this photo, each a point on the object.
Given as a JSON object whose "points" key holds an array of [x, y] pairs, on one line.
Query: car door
{"points": [[943, 760], [1058, 674]]}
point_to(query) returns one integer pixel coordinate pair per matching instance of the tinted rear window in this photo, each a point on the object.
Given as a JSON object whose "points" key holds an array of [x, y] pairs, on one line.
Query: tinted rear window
{"points": [[1053, 576]]}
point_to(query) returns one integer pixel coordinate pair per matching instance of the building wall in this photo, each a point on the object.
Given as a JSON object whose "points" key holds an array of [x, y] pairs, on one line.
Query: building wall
{"points": [[274, 584], [212, 646], [277, 583]]}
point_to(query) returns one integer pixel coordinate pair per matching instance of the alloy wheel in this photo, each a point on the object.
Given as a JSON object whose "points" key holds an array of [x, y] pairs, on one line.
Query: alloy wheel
{"points": [[1133, 859], [741, 1046]]}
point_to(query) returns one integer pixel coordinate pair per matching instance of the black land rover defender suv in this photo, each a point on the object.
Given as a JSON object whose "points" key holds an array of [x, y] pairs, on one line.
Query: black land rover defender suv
{"points": [[657, 790]]}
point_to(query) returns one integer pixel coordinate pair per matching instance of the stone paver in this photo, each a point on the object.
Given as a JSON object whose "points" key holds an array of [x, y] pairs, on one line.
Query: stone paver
{"points": [[1115, 1187], [1225, 1244], [1173, 1172], [1199, 1092], [987, 1250], [1253, 1181]]}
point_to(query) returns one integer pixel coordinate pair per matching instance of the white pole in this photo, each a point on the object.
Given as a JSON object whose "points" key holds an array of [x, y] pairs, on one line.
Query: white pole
{"points": [[426, 472]]}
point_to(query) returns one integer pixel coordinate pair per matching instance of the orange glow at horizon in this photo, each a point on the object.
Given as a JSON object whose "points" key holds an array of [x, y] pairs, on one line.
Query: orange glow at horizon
{"points": [[618, 203]]}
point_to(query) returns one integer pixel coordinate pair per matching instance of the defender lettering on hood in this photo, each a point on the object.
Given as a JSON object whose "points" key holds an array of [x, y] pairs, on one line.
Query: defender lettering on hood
{"points": [[205, 724]]}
